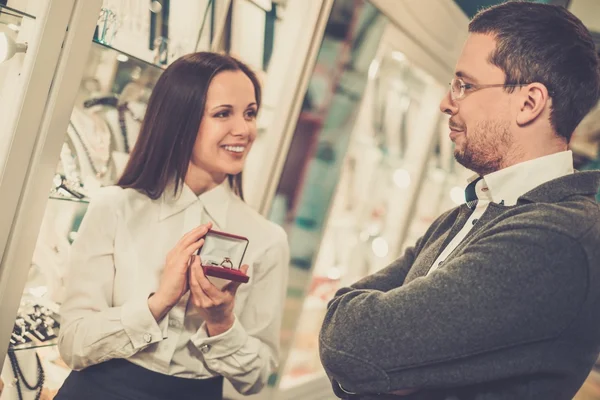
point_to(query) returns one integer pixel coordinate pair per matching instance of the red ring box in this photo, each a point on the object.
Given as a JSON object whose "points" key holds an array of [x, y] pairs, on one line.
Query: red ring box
{"points": [[219, 245]]}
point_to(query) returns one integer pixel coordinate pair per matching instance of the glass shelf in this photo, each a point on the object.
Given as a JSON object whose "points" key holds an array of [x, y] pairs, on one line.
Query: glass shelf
{"points": [[7, 12], [71, 199], [33, 345], [128, 55]]}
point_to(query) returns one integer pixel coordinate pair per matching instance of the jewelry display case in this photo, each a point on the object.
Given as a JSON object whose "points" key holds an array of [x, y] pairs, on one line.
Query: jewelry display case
{"points": [[37, 57], [90, 124], [360, 116], [119, 73], [369, 123]]}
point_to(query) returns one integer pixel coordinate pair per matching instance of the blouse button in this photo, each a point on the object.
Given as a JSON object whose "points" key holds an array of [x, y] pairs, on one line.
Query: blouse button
{"points": [[147, 337], [205, 348]]}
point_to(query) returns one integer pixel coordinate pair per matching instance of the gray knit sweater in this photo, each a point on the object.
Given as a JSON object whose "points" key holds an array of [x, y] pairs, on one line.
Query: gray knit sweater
{"points": [[513, 313]]}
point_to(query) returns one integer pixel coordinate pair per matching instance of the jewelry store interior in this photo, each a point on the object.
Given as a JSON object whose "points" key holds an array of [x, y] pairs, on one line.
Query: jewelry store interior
{"points": [[352, 156]]}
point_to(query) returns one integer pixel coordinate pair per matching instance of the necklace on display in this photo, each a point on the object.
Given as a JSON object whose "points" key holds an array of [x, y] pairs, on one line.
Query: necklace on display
{"points": [[104, 158], [123, 125], [124, 108], [19, 377]]}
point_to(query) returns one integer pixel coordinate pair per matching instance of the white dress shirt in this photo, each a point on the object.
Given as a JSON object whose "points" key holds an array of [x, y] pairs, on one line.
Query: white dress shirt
{"points": [[116, 263], [506, 186]]}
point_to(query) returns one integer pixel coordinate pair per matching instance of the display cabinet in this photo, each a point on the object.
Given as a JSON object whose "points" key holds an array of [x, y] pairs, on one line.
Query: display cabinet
{"points": [[128, 45], [357, 231], [360, 149], [348, 128], [75, 119], [352, 204], [38, 62]]}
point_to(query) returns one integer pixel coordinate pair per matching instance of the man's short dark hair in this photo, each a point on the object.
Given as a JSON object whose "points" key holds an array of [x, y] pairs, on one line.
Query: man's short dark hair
{"points": [[546, 44]]}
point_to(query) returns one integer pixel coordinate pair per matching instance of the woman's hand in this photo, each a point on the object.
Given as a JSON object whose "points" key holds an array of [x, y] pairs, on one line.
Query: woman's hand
{"points": [[174, 280], [214, 305]]}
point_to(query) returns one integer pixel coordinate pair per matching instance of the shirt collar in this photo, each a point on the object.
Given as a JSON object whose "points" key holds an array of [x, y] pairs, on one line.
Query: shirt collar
{"points": [[507, 185], [215, 202], [586, 183]]}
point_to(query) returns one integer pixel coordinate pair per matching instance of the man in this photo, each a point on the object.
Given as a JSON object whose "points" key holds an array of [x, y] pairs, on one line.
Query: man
{"points": [[500, 299]]}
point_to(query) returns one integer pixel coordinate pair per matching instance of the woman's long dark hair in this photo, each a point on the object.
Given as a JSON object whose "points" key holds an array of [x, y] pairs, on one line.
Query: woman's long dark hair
{"points": [[164, 146]]}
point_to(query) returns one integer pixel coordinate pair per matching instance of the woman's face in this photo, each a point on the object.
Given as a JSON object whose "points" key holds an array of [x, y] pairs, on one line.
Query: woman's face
{"points": [[228, 126]]}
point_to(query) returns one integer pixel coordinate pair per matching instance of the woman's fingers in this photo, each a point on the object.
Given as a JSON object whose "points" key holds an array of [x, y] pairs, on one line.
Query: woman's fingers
{"points": [[192, 276], [207, 287], [200, 298], [232, 287], [193, 235], [193, 248]]}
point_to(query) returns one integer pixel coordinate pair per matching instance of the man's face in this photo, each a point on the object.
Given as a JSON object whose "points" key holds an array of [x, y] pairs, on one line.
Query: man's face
{"points": [[480, 122]]}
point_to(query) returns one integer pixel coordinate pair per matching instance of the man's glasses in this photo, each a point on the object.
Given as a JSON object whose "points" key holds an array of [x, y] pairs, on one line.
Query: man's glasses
{"points": [[458, 87]]}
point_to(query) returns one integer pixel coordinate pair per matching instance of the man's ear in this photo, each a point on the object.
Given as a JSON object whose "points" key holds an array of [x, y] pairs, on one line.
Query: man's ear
{"points": [[533, 100]]}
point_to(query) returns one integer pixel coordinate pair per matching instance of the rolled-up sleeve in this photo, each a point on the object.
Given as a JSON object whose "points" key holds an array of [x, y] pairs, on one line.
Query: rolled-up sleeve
{"points": [[92, 329], [249, 351]]}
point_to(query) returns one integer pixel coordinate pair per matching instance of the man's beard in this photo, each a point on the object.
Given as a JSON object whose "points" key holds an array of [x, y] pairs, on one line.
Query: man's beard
{"points": [[485, 148]]}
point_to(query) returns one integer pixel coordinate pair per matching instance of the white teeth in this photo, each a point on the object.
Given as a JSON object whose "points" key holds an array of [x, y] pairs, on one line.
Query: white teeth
{"points": [[234, 149]]}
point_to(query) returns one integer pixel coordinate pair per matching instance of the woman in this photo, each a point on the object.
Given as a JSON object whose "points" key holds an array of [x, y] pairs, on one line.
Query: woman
{"points": [[140, 319]]}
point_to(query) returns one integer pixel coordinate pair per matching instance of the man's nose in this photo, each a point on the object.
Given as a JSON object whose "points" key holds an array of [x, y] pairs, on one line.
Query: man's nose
{"points": [[448, 106]]}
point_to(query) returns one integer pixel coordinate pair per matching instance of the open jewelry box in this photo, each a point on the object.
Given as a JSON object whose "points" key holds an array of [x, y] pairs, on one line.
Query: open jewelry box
{"points": [[222, 255]]}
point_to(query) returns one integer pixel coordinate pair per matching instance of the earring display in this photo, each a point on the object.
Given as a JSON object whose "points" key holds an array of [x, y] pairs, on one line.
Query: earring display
{"points": [[222, 254]]}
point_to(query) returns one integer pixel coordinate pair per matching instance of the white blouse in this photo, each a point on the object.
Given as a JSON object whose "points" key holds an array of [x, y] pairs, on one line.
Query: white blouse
{"points": [[116, 262]]}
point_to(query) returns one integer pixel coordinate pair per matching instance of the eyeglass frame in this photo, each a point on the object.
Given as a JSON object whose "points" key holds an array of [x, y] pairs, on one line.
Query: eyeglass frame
{"points": [[477, 87]]}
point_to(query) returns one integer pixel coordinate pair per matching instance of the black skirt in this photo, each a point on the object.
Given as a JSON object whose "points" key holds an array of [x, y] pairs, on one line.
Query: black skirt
{"points": [[119, 379]]}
